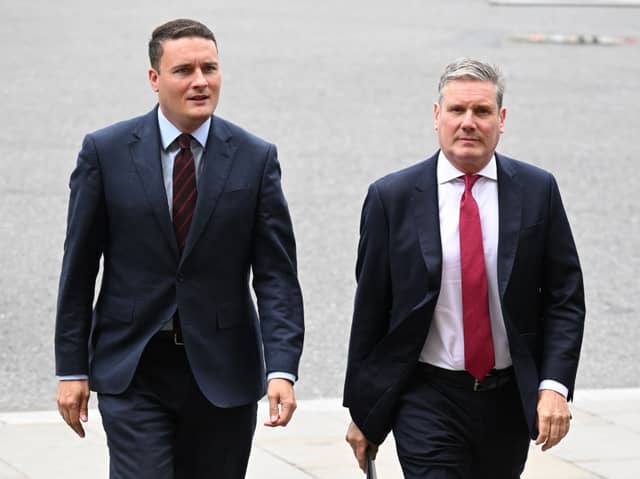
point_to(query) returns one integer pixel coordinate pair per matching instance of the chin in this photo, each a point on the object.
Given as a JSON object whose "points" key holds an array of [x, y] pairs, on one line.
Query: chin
{"points": [[201, 114]]}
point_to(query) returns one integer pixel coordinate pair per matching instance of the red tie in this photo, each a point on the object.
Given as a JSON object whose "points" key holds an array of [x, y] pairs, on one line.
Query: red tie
{"points": [[184, 189], [479, 356]]}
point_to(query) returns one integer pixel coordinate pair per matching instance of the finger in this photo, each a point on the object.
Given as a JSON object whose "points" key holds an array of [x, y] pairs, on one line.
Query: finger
{"points": [[286, 412], [74, 420], [274, 411], [552, 438], [361, 456], [543, 428], [71, 413], [77, 427], [558, 429], [65, 415], [358, 445]]}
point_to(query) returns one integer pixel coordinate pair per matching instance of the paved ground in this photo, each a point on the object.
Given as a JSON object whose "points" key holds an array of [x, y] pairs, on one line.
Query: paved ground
{"points": [[603, 443], [345, 89]]}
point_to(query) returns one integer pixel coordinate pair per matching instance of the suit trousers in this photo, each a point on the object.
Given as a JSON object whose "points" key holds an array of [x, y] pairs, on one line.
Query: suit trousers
{"points": [[162, 426], [446, 431]]}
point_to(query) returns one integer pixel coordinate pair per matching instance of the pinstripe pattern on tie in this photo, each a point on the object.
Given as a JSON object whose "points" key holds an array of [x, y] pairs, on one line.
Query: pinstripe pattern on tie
{"points": [[184, 189]]}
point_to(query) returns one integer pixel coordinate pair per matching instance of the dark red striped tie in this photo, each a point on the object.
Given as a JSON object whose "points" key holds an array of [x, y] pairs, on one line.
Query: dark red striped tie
{"points": [[184, 189], [479, 356]]}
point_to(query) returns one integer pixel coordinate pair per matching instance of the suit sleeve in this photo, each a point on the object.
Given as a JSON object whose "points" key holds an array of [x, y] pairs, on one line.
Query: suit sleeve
{"points": [[563, 298], [83, 246], [373, 294], [275, 280]]}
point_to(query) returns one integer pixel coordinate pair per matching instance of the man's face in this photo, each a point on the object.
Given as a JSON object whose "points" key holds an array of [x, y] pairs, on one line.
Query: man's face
{"points": [[469, 123], [188, 81]]}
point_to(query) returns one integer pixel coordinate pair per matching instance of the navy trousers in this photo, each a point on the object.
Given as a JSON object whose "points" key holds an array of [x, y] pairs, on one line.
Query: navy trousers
{"points": [[444, 430], [162, 427]]}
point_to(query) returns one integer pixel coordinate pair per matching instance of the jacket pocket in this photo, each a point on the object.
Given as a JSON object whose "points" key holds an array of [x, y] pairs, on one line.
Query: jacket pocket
{"points": [[115, 308]]}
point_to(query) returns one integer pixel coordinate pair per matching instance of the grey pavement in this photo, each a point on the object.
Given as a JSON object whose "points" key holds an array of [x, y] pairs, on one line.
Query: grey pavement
{"points": [[604, 442], [345, 89]]}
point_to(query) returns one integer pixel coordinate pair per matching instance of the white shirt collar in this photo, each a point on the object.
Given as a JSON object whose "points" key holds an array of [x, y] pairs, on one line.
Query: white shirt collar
{"points": [[447, 172], [169, 132]]}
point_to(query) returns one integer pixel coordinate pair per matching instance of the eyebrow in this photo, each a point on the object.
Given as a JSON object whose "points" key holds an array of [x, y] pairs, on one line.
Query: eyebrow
{"points": [[190, 65], [474, 107], [181, 65]]}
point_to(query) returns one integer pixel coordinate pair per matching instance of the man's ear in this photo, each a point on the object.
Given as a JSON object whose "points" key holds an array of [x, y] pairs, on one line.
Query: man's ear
{"points": [[503, 116], [153, 80]]}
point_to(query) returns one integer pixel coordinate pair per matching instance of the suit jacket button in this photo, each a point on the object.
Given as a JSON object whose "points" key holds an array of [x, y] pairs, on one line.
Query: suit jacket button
{"points": [[180, 278]]}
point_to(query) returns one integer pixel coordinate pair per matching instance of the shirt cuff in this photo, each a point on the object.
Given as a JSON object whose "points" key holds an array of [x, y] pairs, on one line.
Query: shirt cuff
{"points": [[281, 375], [554, 386], [73, 377]]}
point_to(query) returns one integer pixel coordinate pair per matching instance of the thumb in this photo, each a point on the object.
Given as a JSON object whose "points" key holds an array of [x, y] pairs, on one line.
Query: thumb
{"points": [[84, 409]]}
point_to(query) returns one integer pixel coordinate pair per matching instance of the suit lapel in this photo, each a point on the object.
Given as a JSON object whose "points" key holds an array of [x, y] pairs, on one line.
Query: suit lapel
{"points": [[217, 160], [510, 212], [426, 211], [145, 154]]}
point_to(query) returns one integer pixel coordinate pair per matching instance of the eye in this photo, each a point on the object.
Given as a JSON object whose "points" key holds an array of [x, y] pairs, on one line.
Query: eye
{"points": [[483, 111], [182, 70]]}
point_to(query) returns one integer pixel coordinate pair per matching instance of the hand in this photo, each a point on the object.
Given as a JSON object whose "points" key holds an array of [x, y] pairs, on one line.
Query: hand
{"points": [[359, 444], [73, 401], [553, 418], [282, 402]]}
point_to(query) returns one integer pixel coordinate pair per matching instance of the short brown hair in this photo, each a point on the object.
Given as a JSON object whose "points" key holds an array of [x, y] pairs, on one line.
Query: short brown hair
{"points": [[172, 30]]}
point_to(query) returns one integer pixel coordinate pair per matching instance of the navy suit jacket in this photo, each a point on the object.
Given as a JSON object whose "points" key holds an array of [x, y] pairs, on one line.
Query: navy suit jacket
{"points": [[399, 269], [118, 211]]}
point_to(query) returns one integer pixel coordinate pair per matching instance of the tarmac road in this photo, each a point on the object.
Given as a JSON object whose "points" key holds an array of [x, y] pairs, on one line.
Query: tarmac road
{"points": [[346, 91]]}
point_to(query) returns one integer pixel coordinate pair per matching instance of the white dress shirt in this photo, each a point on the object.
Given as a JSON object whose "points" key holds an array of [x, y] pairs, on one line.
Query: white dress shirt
{"points": [[444, 346]]}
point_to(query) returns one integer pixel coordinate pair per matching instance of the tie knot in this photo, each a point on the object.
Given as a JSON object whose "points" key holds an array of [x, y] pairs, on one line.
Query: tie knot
{"points": [[184, 141], [469, 181]]}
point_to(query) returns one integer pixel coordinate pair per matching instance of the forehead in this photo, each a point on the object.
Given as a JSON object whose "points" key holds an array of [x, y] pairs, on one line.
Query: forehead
{"points": [[188, 49], [474, 91]]}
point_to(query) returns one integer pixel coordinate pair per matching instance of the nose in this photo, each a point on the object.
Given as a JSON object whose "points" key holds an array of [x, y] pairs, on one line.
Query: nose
{"points": [[199, 80], [468, 121]]}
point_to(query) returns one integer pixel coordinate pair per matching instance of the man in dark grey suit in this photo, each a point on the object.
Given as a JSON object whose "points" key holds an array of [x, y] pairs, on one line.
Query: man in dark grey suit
{"points": [[182, 207], [469, 309]]}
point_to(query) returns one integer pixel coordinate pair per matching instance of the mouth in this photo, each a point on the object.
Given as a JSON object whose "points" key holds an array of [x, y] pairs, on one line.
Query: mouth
{"points": [[198, 98]]}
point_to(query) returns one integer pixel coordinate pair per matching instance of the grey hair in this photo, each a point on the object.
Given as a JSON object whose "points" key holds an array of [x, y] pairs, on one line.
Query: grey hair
{"points": [[469, 69]]}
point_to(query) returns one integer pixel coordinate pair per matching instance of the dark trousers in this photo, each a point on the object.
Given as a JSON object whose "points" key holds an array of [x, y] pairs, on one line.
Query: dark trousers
{"points": [[446, 430], [162, 427]]}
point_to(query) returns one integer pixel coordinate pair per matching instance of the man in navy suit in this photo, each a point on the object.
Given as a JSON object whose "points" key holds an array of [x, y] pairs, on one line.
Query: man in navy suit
{"points": [[183, 207], [469, 310]]}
